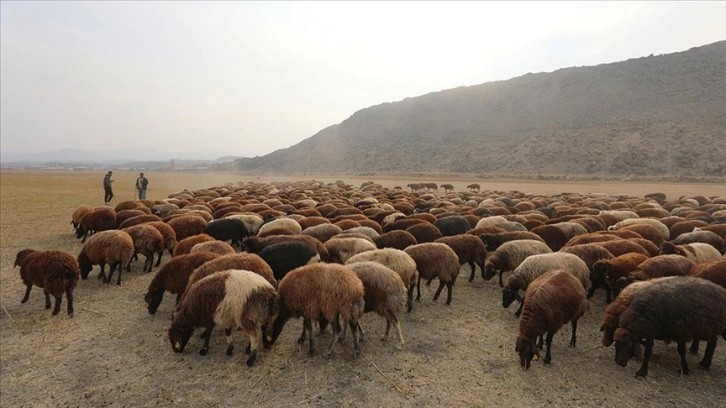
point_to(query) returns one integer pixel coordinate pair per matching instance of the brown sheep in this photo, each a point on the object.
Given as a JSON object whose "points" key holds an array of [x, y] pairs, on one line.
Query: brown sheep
{"points": [[78, 213], [591, 253], [554, 236], [494, 240], [187, 225], [552, 300], [56, 272], [701, 235], [435, 260], [657, 267], [100, 219], [509, 255], [469, 249], [168, 234], [138, 219], [186, 244], [696, 252], [248, 262], [610, 270], [174, 277], [398, 239], [340, 249], [147, 241], [114, 247], [399, 261], [424, 232], [217, 247]]}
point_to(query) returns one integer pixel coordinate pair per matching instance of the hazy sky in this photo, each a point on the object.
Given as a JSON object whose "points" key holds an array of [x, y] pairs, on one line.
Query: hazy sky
{"points": [[247, 78]]}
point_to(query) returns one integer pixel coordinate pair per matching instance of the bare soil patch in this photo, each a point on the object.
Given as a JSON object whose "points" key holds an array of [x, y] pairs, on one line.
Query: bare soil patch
{"points": [[113, 353]]}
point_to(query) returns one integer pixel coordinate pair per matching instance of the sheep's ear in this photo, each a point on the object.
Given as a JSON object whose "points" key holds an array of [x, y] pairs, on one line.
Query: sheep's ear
{"points": [[177, 345], [536, 353], [602, 328]]}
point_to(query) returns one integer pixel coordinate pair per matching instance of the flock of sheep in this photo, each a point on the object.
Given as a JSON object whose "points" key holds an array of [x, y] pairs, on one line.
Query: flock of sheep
{"points": [[251, 256]]}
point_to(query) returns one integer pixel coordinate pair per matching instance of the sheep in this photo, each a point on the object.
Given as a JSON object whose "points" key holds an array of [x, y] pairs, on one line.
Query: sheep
{"points": [[571, 229], [494, 240], [248, 262], [217, 247], [322, 232], [173, 277], [424, 232], [618, 247], [398, 239], [254, 244], [591, 253], [552, 300], [227, 229], [100, 219], [657, 267], [399, 261], [705, 236], [280, 223], [662, 230], [340, 249], [715, 271], [168, 234], [252, 222], [469, 249], [719, 229], [185, 245], [114, 247], [78, 213], [447, 188], [288, 255], [187, 225], [536, 265], [163, 209], [147, 241], [321, 291], [453, 225], [385, 293], [509, 255], [474, 187], [608, 271], [124, 215], [435, 259], [697, 251], [402, 224], [367, 232], [139, 219], [678, 309], [554, 236], [231, 299], [56, 272]]}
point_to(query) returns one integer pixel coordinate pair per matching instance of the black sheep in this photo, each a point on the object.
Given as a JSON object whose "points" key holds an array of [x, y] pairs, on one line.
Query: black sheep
{"points": [[286, 256], [227, 229], [453, 225]]}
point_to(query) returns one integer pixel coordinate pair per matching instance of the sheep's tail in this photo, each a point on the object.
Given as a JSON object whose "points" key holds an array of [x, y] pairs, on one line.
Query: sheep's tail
{"points": [[63, 278]]}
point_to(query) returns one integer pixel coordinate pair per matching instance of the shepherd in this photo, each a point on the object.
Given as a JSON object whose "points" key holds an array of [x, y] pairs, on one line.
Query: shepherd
{"points": [[108, 191], [141, 184]]}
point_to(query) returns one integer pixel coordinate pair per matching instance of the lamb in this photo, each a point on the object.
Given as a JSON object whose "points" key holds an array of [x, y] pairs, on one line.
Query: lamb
{"points": [[399, 261], [217, 247], [435, 259], [494, 240], [227, 229], [608, 271], [697, 251], [147, 241], [100, 219], [509, 255], [385, 293], [398, 239], [340, 249], [591, 253], [114, 247], [321, 290], [231, 299], [169, 236], [187, 225], [657, 267], [78, 213], [469, 249], [552, 300], [536, 265], [56, 272], [454, 225], [424, 232], [678, 309], [286, 256], [186, 244], [174, 277], [280, 223]]}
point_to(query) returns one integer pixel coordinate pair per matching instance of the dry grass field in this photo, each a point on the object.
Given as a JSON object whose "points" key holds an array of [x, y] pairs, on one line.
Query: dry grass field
{"points": [[113, 353]]}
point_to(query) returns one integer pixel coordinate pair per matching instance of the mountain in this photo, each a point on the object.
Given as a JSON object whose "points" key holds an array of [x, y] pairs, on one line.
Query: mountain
{"points": [[110, 157], [651, 116]]}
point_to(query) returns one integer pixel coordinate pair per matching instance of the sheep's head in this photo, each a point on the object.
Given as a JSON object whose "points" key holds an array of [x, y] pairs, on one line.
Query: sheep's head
{"points": [[179, 336], [527, 349], [509, 295], [627, 346], [20, 257], [80, 231], [667, 248], [85, 265], [153, 299], [490, 269]]}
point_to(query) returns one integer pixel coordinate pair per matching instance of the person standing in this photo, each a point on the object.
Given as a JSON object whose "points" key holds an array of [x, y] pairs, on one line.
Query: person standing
{"points": [[141, 184], [108, 191]]}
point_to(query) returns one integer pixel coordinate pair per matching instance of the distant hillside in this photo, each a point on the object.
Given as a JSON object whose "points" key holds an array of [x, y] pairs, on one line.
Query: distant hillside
{"points": [[654, 115]]}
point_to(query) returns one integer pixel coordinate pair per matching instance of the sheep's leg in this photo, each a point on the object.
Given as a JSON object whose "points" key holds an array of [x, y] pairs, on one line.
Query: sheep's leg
{"points": [[410, 298], [255, 338], [230, 345], [591, 291], [56, 309], [356, 339], [449, 288], [428, 282], [301, 339], [342, 335], [158, 261], [361, 332], [473, 269], [308, 326], [150, 262], [336, 333], [27, 294], [178, 298], [398, 330], [682, 353], [573, 338], [118, 280], [135, 256], [694, 346], [47, 299], [501, 281], [608, 294], [438, 291], [102, 274], [111, 270], [519, 309], [418, 289], [69, 299], [708, 354], [322, 324], [205, 347], [548, 355], [643, 371]]}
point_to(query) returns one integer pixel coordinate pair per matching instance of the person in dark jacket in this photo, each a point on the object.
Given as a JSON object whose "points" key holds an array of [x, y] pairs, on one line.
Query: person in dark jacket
{"points": [[141, 184], [108, 191]]}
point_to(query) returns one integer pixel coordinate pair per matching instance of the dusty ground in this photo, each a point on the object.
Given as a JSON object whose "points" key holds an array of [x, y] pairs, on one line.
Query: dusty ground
{"points": [[113, 353]]}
